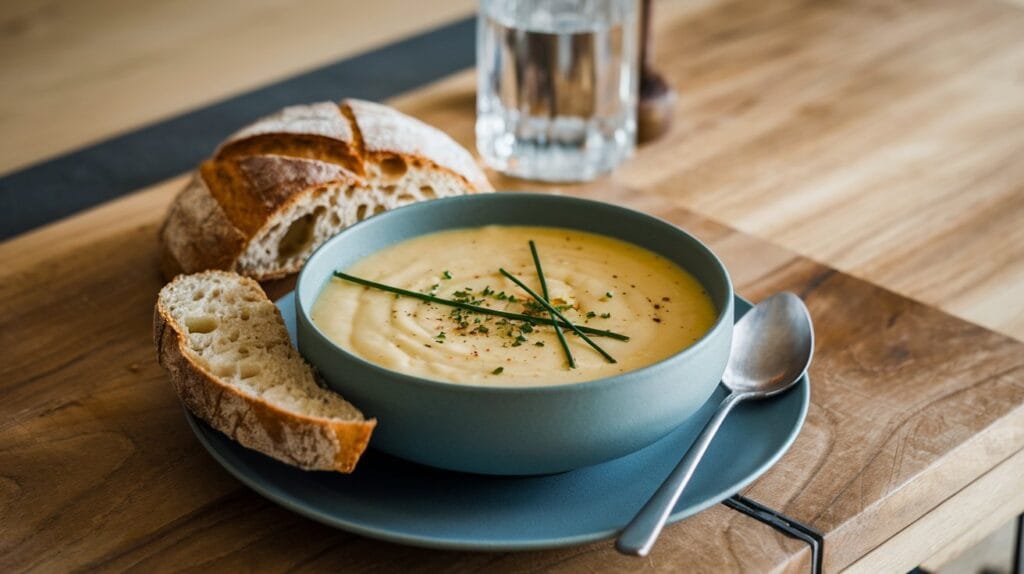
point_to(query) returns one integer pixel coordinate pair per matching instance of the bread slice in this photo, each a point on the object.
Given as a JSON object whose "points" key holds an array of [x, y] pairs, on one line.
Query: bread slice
{"points": [[227, 351], [277, 189]]}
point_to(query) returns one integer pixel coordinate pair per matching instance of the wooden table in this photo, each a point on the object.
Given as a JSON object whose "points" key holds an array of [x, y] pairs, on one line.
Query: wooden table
{"points": [[865, 154]]}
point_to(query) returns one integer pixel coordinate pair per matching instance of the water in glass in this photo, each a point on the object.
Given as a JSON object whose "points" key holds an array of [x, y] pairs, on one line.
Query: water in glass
{"points": [[557, 86]]}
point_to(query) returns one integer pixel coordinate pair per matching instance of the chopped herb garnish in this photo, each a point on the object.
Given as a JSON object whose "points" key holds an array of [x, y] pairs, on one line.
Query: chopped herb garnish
{"points": [[539, 344], [605, 315], [557, 314], [608, 294], [498, 371], [446, 275], [531, 307], [591, 314], [474, 308], [551, 312]]}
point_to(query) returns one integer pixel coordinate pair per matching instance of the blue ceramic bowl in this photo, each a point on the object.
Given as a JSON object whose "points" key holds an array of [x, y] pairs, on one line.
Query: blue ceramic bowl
{"points": [[519, 431]]}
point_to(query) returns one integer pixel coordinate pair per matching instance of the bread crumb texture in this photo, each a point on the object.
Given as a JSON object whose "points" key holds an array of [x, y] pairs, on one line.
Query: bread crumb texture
{"points": [[299, 228], [237, 334]]}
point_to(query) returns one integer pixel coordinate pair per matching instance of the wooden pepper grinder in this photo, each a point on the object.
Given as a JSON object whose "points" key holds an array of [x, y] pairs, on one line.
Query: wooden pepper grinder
{"points": [[657, 98]]}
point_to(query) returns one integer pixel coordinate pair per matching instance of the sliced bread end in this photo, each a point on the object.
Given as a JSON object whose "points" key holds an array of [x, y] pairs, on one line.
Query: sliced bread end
{"points": [[291, 235], [230, 360]]}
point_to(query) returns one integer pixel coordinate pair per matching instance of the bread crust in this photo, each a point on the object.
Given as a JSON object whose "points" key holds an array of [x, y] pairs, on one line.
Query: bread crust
{"points": [[228, 203], [279, 161], [316, 131], [310, 443], [251, 189], [383, 131], [196, 234]]}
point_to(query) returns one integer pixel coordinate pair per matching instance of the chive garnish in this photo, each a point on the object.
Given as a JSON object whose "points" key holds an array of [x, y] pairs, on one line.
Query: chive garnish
{"points": [[471, 307], [544, 290], [606, 315], [591, 314], [446, 275], [498, 371], [556, 313]]}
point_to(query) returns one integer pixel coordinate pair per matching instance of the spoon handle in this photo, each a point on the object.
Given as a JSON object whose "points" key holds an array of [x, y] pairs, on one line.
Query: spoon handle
{"points": [[639, 535]]}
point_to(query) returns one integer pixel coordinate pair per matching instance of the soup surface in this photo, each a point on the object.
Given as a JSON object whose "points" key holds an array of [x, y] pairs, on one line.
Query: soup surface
{"points": [[596, 281]]}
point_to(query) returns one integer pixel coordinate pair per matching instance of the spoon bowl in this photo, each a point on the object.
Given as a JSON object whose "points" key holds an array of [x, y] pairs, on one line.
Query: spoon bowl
{"points": [[771, 349]]}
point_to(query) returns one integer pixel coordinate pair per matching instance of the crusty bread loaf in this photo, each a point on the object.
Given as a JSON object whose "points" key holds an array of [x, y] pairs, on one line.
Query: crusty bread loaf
{"points": [[277, 189], [231, 362]]}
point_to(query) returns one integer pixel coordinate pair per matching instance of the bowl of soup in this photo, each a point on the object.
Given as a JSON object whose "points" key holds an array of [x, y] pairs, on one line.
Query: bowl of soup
{"points": [[434, 319]]}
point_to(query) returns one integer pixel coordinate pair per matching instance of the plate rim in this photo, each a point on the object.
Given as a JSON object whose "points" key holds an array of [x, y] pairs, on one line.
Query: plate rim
{"points": [[282, 498]]}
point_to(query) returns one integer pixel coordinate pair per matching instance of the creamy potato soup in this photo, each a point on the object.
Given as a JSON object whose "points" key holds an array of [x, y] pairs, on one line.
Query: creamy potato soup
{"points": [[597, 282]]}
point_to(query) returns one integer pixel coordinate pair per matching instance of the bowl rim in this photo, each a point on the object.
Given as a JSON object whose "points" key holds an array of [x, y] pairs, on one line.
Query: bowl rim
{"points": [[723, 320]]}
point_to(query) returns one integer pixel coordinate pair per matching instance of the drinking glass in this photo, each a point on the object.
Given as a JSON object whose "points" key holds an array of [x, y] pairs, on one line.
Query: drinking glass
{"points": [[556, 86]]}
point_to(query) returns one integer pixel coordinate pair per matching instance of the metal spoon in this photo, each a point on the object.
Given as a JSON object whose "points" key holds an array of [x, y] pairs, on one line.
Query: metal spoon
{"points": [[771, 349]]}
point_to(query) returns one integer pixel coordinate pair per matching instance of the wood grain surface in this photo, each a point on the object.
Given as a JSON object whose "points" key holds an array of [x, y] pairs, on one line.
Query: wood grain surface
{"points": [[97, 461], [74, 72], [843, 132], [875, 136]]}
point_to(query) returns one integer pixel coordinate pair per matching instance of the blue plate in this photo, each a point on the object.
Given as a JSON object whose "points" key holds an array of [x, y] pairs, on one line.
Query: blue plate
{"points": [[399, 501]]}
